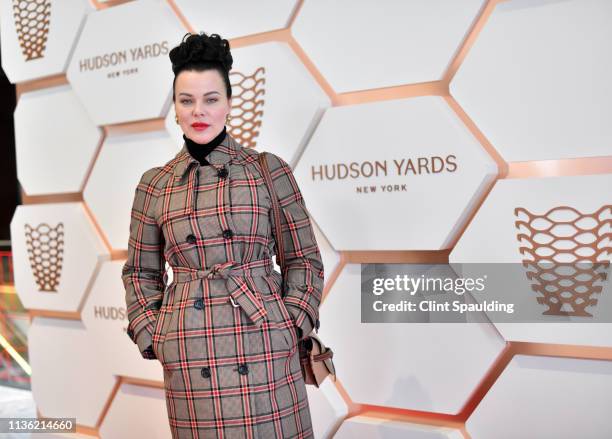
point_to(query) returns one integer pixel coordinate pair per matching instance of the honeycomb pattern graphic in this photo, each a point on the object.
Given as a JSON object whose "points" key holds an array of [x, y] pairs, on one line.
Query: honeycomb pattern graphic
{"points": [[45, 246], [247, 103], [32, 23], [563, 251]]}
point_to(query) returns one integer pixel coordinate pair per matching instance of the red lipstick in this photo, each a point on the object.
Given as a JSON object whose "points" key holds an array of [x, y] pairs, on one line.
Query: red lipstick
{"points": [[199, 126]]}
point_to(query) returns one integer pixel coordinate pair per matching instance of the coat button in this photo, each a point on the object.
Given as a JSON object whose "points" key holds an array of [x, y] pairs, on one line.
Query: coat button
{"points": [[198, 304], [222, 173], [191, 239], [227, 234], [205, 372], [243, 369]]}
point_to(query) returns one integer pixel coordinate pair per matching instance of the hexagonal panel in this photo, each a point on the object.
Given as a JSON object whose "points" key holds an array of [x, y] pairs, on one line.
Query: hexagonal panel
{"points": [[415, 357], [330, 257], [366, 427], [105, 318], [130, 63], [110, 188], [363, 195], [236, 18], [327, 408], [37, 37], [55, 253], [68, 378], [50, 158], [493, 236], [403, 42], [275, 101], [546, 397], [136, 408], [530, 84]]}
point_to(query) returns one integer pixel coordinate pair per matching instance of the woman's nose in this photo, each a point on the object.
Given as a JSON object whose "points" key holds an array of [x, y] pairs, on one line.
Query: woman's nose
{"points": [[198, 109]]}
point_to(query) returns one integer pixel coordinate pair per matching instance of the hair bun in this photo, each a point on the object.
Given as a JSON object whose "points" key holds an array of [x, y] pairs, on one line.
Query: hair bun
{"points": [[201, 48]]}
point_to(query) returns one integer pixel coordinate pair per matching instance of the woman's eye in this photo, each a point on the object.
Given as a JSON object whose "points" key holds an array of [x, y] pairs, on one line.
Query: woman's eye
{"points": [[211, 100], [186, 101]]}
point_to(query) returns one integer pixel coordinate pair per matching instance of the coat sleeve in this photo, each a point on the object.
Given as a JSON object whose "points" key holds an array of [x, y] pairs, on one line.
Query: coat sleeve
{"points": [[143, 272], [304, 276]]}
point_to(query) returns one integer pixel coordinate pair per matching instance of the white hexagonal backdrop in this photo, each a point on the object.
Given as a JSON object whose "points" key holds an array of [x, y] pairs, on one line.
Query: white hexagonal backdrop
{"points": [[37, 38], [129, 64], [55, 141], [546, 397], [430, 367], [327, 408], [370, 170], [361, 45], [236, 18], [133, 409], [366, 427], [120, 164], [536, 81], [56, 252], [69, 380], [493, 237], [105, 319]]}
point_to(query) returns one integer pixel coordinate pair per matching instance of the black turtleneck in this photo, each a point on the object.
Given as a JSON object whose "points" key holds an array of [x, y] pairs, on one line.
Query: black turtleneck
{"points": [[200, 150]]}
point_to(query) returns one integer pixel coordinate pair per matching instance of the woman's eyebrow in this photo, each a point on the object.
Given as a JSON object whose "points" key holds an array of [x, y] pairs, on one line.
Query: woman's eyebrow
{"points": [[205, 94]]}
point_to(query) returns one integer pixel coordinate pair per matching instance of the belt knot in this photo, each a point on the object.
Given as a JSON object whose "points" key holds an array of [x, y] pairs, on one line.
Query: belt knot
{"points": [[235, 275]]}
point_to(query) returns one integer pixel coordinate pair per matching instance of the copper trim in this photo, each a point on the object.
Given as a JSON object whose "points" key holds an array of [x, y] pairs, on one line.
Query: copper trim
{"points": [[66, 315], [72, 197], [143, 382], [39, 84], [109, 4], [108, 401], [136, 127], [479, 22], [560, 167], [397, 256], [179, 14]]}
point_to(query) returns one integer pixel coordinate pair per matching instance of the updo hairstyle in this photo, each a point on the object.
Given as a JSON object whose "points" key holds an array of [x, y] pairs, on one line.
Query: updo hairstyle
{"points": [[201, 52]]}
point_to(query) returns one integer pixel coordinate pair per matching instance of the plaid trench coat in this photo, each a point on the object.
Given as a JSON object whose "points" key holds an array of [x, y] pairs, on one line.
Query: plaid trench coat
{"points": [[226, 329]]}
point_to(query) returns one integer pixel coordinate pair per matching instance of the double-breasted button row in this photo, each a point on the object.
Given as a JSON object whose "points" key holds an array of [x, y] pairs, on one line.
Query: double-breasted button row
{"points": [[227, 234], [243, 369], [198, 304], [222, 173]]}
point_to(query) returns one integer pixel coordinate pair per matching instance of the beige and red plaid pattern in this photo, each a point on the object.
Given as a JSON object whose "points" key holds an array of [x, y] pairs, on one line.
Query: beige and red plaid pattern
{"points": [[225, 329]]}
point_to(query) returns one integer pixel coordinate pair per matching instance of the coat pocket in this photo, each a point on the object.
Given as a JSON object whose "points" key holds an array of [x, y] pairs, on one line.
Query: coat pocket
{"points": [[163, 321], [280, 321]]}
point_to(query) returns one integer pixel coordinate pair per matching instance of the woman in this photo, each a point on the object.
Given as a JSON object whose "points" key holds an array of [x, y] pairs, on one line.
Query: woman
{"points": [[226, 329]]}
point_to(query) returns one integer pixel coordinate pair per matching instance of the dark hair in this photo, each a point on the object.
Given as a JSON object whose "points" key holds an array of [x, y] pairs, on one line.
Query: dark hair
{"points": [[201, 52]]}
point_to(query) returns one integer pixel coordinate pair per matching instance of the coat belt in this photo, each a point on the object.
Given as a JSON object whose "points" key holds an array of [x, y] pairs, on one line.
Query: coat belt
{"points": [[235, 276]]}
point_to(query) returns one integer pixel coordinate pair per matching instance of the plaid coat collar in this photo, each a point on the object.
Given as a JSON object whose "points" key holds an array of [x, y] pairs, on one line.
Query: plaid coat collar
{"points": [[224, 153]]}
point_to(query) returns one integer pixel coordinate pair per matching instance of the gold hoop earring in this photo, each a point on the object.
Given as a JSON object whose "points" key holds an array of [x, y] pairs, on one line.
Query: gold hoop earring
{"points": [[176, 119], [228, 118]]}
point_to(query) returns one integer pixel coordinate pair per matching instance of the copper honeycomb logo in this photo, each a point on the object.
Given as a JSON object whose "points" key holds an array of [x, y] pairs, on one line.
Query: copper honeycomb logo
{"points": [[45, 246], [32, 25], [247, 103], [564, 252]]}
